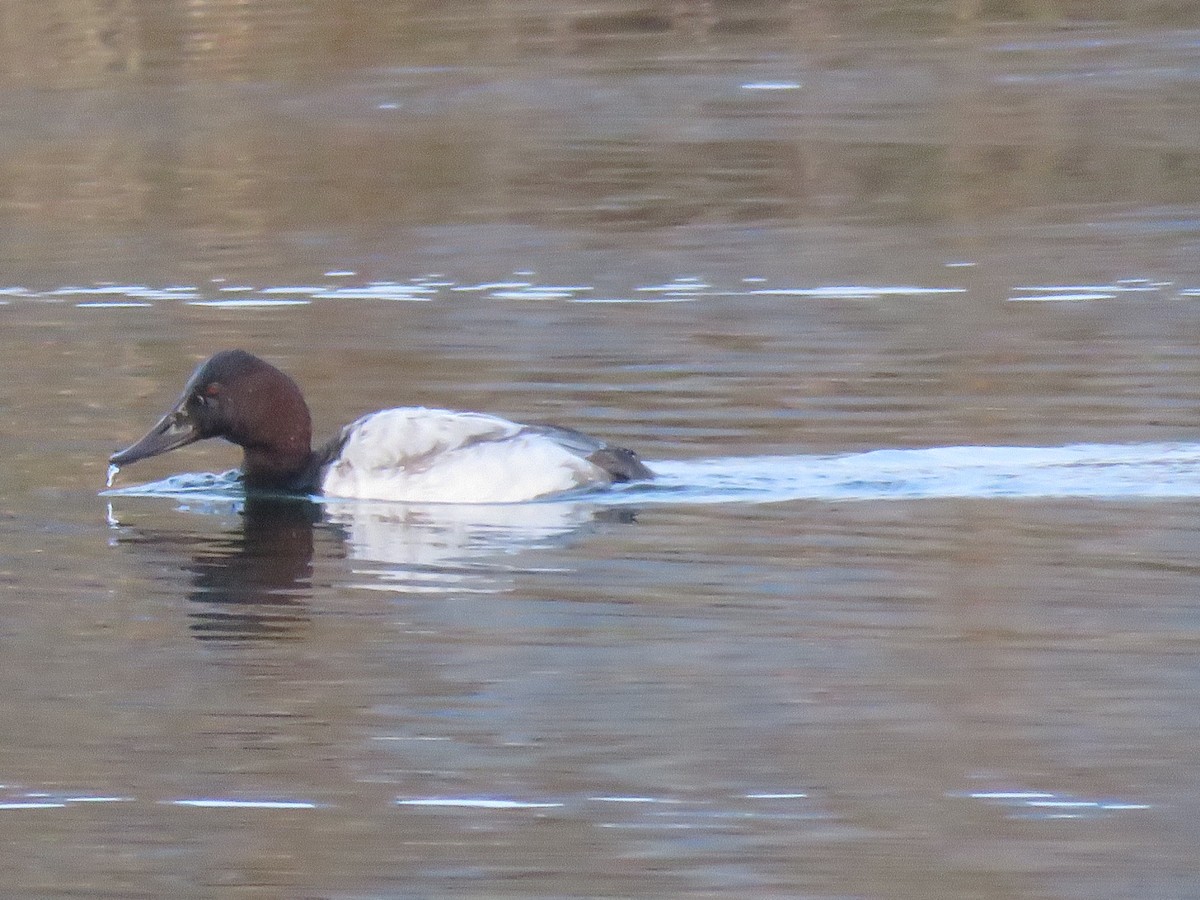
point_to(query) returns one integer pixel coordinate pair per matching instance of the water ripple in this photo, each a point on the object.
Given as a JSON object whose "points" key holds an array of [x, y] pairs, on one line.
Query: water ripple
{"points": [[1101, 471], [477, 803], [1029, 804], [228, 803], [1081, 470]]}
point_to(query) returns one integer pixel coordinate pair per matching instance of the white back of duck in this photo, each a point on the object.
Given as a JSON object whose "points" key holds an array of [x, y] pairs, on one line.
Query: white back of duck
{"points": [[423, 455]]}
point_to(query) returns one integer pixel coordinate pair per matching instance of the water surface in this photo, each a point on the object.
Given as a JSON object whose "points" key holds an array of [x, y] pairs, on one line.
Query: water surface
{"points": [[899, 299]]}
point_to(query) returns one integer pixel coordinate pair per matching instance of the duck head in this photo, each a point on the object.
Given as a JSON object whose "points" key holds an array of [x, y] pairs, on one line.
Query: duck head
{"points": [[239, 397]]}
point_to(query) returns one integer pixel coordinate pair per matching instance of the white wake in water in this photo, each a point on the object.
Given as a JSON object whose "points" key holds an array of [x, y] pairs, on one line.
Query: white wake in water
{"points": [[1081, 470]]}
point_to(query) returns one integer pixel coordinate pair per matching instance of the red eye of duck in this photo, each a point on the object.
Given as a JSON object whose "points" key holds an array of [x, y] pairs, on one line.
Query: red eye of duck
{"points": [[209, 394]]}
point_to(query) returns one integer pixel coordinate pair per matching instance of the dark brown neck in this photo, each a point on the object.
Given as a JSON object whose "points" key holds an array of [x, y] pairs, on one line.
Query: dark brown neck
{"points": [[270, 469]]}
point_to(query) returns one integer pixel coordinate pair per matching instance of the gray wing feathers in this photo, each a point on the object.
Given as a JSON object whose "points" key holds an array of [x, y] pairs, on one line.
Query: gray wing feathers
{"points": [[622, 464]]}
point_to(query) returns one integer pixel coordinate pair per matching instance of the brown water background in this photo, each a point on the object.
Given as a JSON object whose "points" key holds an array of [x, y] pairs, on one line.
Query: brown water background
{"points": [[755, 240]]}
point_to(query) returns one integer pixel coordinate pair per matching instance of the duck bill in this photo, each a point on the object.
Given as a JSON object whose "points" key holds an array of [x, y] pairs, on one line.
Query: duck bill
{"points": [[175, 429]]}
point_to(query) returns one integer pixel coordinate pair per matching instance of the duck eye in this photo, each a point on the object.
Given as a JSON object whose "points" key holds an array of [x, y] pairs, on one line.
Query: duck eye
{"points": [[208, 395], [200, 400]]}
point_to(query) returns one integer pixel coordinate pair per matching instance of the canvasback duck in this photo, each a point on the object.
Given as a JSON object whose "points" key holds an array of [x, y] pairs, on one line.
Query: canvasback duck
{"points": [[407, 454]]}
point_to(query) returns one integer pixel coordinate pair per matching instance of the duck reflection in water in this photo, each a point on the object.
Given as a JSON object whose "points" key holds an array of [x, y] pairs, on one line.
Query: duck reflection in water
{"points": [[261, 588], [255, 582], [252, 583]]}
